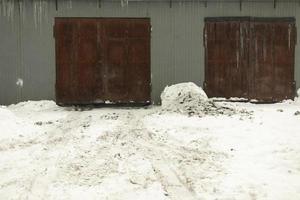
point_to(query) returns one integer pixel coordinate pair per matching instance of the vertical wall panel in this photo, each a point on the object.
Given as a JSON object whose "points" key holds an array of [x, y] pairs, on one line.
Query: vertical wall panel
{"points": [[10, 68], [38, 53]]}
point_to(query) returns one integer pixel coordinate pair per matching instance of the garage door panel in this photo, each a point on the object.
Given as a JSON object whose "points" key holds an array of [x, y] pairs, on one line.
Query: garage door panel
{"points": [[284, 51], [65, 41], [212, 53], [65, 77], [283, 54], [209, 33], [116, 85], [88, 41], [115, 28], [140, 93], [103, 59], [274, 61], [139, 29], [139, 90], [224, 59], [116, 53], [220, 31], [116, 88], [263, 62], [250, 57], [138, 51], [222, 51], [233, 31]]}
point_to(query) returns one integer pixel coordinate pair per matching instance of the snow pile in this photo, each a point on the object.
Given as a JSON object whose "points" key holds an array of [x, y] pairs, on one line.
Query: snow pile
{"points": [[189, 99]]}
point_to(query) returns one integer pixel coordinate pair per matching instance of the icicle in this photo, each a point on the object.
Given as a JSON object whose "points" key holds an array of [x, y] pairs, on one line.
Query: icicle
{"points": [[40, 12], [8, 9], [3, 7], [22, 10], [124, 3], [45, 3], [11, 10], [69, 6], [35, 14]]}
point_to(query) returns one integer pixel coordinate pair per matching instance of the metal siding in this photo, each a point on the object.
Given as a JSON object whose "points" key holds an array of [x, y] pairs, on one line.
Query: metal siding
{"points": [[37, 55], [177, 52], [9, 61]]}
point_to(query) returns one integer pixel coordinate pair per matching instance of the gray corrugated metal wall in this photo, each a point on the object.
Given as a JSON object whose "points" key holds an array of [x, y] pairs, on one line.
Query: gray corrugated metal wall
{"points": [[177, 53]]}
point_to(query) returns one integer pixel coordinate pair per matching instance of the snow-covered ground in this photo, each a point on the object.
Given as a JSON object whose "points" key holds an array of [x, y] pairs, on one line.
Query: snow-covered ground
{"points": [[51, 152]]}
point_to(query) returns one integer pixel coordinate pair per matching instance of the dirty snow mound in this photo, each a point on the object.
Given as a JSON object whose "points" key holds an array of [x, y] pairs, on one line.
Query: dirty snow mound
{"points": [[189, 99]]}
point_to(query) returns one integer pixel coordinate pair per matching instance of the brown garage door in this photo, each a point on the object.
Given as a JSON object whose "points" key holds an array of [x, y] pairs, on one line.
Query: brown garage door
{"points": [[102, 60], [226, 57], [251, 58]]}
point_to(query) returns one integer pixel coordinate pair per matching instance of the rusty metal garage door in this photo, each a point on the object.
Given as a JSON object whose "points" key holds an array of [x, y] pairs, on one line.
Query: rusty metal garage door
{"points": [[102, 60], [250, 58], [226, 57]]}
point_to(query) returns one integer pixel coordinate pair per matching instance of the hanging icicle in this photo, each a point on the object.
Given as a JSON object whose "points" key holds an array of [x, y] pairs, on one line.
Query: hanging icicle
{"points": [[124, 3], [22, 10], [35, 13], [40, 12], [70, 4], [7, 9]]}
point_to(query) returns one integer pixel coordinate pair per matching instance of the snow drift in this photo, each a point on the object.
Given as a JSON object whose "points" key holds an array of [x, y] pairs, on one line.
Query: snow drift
{"points": [[189, 99]]}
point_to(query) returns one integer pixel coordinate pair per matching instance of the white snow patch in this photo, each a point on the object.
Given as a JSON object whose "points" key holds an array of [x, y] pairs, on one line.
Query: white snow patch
{"points": [[50, 152], [12, 126]]}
